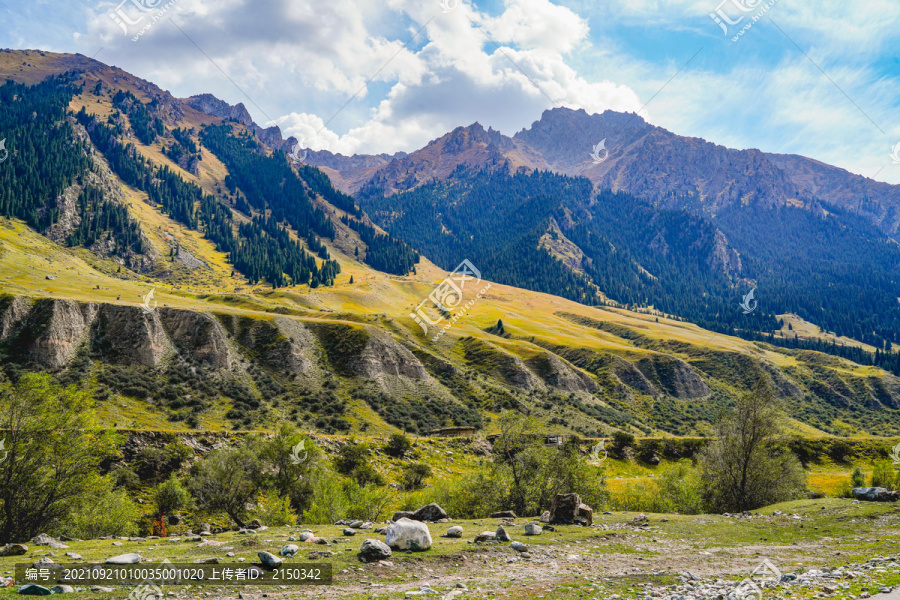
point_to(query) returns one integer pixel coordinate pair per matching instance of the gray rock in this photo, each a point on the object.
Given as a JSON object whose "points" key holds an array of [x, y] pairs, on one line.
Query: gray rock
{"points": [[373, 551], [502, 535], [875, 494], [431, 512], [290, 550], [74, 555], [305, 536], [407, 534], [13, 550], [269, 560], [320, 554], [504, 514], [533, 529], [486, 536], [402, 514], [207, 561], [46, 540], [519, 547], [62, 589], [124, 559], [33, 589], [254, 524], [455, 532], [545, 517], [348, 531], [355, 524], [567, 509]]}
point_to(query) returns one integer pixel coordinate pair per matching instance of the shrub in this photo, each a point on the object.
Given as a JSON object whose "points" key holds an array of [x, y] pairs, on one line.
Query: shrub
{"points": [[353, 460], [414, 475], [275, 511], [397, 445], [105, 511], [857, 478], [170, 496], [620, 441], [155, 464], [290, 458], [883, 475]]}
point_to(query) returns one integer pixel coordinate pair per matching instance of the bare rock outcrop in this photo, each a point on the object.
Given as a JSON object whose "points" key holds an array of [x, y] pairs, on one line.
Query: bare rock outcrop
{"points": [[199, 335], [557, 373], [384, 356], [130, 334], [673, 376], [13, 314], [61, 327]]}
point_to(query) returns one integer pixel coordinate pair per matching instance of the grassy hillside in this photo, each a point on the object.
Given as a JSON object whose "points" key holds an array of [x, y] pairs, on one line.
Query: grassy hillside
{"points": [[361, 363]]}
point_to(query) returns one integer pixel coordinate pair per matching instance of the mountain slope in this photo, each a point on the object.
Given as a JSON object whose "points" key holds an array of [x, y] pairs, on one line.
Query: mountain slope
{"points": [[215, 347]]}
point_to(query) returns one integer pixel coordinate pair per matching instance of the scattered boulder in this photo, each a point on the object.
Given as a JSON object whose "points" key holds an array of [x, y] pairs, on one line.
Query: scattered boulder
{"points": [[33, 589], [455, 532], [502, 535], [124, 559], [13, 550], [290, 550], [269, 560], [504, 514], [567, 509], [355, 524], [254, 524], [213, 560], [545, 517], [373, 551], [407, 534], [62, 589], [316, 540], [533, 529], [519, 547], [640, 520], [486, 536], [431, 512], [875, 494], [316, 554], [305, 535], [46, 540], [402, 514], [349, 531]]}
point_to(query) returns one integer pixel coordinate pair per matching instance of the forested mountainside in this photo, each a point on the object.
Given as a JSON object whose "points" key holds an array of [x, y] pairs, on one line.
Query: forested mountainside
{"points": [[170, 256], [556, 234]]}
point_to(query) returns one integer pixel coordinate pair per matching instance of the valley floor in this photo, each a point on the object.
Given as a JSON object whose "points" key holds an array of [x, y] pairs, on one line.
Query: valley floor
{"points": [[830, 548]]}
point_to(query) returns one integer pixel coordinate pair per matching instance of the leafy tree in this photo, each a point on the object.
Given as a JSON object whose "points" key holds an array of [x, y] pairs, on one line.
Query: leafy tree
{"points": [[228, 479], [857, 478], [620, 441], [55, 449], [291, 460], [747, 466], [353, 460]]}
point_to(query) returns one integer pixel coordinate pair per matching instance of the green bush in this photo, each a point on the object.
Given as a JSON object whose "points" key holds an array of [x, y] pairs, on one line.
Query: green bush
{"points": [[397, 445], [106, 511], [414, 475], [857, 478], [883, 475], [620, 441], [676, 490], [275, 511], [170, 496]]}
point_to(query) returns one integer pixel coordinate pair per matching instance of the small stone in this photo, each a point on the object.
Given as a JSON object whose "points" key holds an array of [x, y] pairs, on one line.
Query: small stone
{"points": [[533, 529], [290, 550], [62, 589], [519, 547], [374, 550], [454, 532]]}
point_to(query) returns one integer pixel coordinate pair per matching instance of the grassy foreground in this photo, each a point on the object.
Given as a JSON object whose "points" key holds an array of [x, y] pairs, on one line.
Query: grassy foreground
{"points": [[616, 557]]}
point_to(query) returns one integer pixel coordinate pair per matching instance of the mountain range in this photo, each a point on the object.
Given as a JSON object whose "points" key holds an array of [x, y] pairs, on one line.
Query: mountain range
{"points": [[630, 278]]}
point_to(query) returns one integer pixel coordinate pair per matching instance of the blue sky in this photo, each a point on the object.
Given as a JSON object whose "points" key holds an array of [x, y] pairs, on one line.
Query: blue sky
{"points": [[813, 78]]}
